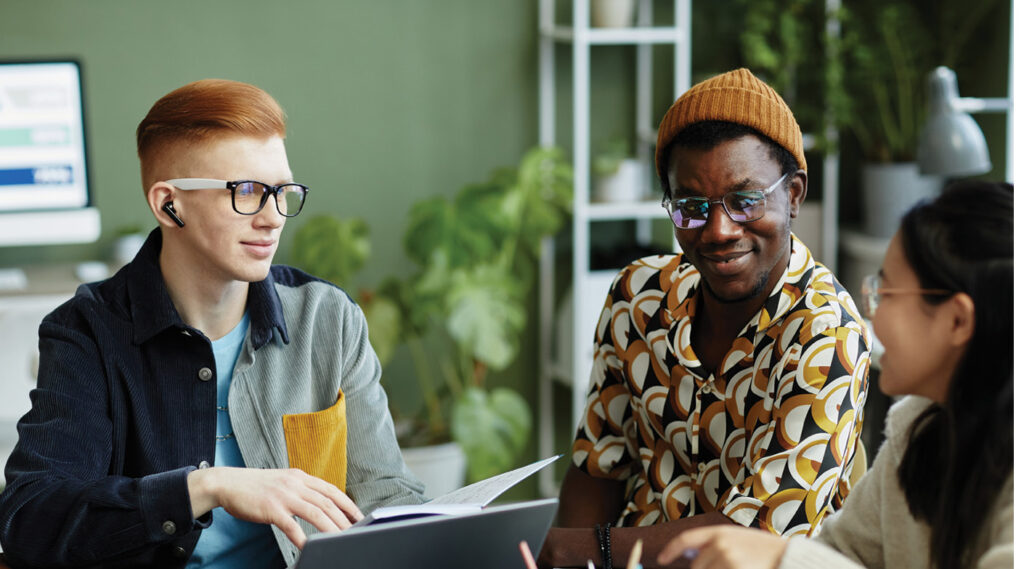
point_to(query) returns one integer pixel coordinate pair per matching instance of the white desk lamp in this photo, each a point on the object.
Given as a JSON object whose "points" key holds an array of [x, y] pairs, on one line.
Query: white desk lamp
{"points": [[951, 142]]}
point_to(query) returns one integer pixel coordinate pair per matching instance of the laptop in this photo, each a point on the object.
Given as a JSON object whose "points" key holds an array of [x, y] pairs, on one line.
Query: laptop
{"points": [[486, 538]]}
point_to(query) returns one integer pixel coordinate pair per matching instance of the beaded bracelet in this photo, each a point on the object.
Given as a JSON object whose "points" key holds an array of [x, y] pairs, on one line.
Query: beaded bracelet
{"points": [[604, 543]]}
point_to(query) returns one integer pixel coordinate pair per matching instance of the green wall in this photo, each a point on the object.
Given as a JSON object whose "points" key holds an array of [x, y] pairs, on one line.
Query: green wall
{"points": [[387, 101]]}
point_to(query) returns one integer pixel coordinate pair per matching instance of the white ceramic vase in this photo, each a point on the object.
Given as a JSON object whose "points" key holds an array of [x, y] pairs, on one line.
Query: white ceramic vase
{"points": [[441, 468], [622, 186], [888, 191], [612, 13]]}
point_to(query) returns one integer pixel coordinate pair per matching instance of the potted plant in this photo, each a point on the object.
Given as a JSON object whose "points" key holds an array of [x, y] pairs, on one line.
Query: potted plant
{"points": [[463, 312], [617, 174], [889, 49]]}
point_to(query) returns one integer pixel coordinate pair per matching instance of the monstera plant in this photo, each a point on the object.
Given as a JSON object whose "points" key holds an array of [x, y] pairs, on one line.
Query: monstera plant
{"points": [[463, 312]]}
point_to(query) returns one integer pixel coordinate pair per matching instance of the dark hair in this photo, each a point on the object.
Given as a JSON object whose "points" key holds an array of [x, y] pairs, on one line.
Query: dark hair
{"points": [[961, 452], [706, 135]]}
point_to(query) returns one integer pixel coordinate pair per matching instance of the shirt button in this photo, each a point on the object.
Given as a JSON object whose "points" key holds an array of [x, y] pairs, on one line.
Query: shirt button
{"points": [[179, 552], [205, 374], [169, 527], [706, 388], [204, 464]]}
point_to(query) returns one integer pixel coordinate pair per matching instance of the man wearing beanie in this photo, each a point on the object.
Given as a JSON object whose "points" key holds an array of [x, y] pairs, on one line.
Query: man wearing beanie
{"points": [[729, 380]]}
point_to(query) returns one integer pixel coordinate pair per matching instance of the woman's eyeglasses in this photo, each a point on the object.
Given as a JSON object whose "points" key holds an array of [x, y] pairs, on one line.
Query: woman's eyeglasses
{"points": [[872, 293], [742, 206], [248, 197]]}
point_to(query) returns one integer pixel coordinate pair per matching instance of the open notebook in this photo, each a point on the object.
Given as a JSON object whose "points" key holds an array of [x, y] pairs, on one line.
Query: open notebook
{"points": [[485, 538], [464, 500]]}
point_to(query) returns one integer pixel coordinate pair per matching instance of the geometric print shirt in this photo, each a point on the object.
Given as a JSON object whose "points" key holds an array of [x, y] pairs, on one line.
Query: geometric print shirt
{"points": [[767, 438]]}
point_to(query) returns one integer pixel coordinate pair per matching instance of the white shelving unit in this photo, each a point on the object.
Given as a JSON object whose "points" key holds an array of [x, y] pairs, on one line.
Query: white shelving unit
{"points": [[571, 364]]}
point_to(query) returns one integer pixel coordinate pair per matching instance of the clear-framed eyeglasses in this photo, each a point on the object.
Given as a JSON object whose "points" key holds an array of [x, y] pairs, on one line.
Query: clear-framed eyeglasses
{"points": [[742, 206], [248, 197], [872, 293]]}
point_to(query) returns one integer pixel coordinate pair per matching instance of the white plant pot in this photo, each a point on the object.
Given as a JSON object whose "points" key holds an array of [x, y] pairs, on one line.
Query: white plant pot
{"points": [[622, 186], [441, 468], [612, 13], [888, 191]]}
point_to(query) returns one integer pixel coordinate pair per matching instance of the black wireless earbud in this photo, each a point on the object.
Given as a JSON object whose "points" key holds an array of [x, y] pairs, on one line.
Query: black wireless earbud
{"points": [[169, 210]]}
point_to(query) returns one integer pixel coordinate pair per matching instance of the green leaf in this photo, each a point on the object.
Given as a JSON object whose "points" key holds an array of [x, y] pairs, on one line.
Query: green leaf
{"points": [[545, 187], [332, 248], [486, 314], [491, 428], [461, 231]]}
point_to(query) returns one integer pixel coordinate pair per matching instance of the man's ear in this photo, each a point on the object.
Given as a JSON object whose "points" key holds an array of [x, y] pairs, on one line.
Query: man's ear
{"points": [[797, 192], [962, 319], [157, 195]]}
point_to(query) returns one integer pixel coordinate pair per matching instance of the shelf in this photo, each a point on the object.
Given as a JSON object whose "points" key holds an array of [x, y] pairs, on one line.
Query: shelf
{"points": [[613, 36], [624, 210]]}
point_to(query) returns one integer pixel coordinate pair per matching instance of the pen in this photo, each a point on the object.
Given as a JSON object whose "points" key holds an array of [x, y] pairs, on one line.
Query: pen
{"points": [[527, 556], [634, 555]]}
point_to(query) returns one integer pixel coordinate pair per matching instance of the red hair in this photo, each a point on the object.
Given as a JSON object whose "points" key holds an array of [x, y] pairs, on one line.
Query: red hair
{"points": [[205, 109]]}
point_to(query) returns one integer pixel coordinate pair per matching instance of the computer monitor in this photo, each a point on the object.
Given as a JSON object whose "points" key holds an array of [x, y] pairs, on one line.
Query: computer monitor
{"points": [[44, 178]]}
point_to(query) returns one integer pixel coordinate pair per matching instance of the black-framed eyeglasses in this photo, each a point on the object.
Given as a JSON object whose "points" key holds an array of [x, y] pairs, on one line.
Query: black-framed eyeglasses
{"points": [[742, 206], [872, 293], [248, 197]]}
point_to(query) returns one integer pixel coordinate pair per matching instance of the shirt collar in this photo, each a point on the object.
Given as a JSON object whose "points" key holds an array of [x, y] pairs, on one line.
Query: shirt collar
{"points": [[784, 294], [153, 312], [790, 286]]}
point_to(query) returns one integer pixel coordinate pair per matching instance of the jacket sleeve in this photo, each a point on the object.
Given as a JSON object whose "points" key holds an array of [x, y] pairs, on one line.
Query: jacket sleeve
{"points": [[800, 451], [61, 505], [377, 474]]}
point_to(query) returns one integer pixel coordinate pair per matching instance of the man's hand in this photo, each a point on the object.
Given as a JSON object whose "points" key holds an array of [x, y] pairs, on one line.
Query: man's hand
{"points": [[273, 497], [725, 547]]}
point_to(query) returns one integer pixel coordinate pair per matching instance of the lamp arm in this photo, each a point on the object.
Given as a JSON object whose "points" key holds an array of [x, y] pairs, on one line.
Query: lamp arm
{"points": [[982, 105]]}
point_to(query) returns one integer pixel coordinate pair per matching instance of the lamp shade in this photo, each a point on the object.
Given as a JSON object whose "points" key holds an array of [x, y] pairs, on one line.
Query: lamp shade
{"points": [[951, 142]]}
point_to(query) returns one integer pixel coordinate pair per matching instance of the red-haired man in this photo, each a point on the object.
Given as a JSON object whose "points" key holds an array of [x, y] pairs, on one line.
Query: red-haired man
{"points": [[202, 406]]}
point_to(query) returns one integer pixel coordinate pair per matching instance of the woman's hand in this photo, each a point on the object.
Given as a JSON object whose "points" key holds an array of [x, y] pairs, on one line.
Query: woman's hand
{"points": [[725, 547]]}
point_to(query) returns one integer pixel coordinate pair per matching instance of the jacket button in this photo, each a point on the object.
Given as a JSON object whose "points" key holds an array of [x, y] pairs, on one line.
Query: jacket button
{"points": [[179, 552], [169, 527], [204, 464], [205, 374]]}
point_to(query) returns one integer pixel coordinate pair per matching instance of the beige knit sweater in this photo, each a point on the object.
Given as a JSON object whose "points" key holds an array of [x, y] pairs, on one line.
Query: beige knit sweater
{"points": [[875, 529]]}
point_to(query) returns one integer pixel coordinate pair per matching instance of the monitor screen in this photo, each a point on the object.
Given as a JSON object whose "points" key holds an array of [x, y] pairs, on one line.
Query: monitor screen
{"points": [[44, 182]]}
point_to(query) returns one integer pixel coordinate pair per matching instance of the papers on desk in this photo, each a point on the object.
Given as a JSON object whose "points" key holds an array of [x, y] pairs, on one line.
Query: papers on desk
{"points": [[467, 499]]}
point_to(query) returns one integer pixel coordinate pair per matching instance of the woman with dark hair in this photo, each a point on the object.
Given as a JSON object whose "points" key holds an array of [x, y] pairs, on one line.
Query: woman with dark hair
{"points": [[940, 492]]}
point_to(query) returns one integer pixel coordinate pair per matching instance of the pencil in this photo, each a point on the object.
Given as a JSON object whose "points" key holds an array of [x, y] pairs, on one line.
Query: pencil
{"points": [[634, 555], [527, 556]]}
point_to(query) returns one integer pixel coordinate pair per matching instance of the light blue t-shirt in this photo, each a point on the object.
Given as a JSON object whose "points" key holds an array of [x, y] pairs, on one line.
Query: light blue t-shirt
{"points": [[231, 543]]}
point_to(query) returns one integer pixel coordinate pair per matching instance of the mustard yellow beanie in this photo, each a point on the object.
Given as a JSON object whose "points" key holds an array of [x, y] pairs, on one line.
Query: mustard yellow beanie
{"points": [[736, 97]]}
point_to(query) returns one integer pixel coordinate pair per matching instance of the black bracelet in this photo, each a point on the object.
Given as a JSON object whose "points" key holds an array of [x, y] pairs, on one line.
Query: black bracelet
{"points": [[604, 543]]}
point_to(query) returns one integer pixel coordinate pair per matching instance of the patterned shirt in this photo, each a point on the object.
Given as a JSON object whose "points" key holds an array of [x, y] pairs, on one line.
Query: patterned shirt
{"points": [[767, 438]]}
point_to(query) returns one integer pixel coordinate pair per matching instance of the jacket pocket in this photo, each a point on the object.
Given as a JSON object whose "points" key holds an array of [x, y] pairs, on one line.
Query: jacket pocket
{"points": [[316, 442]]}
